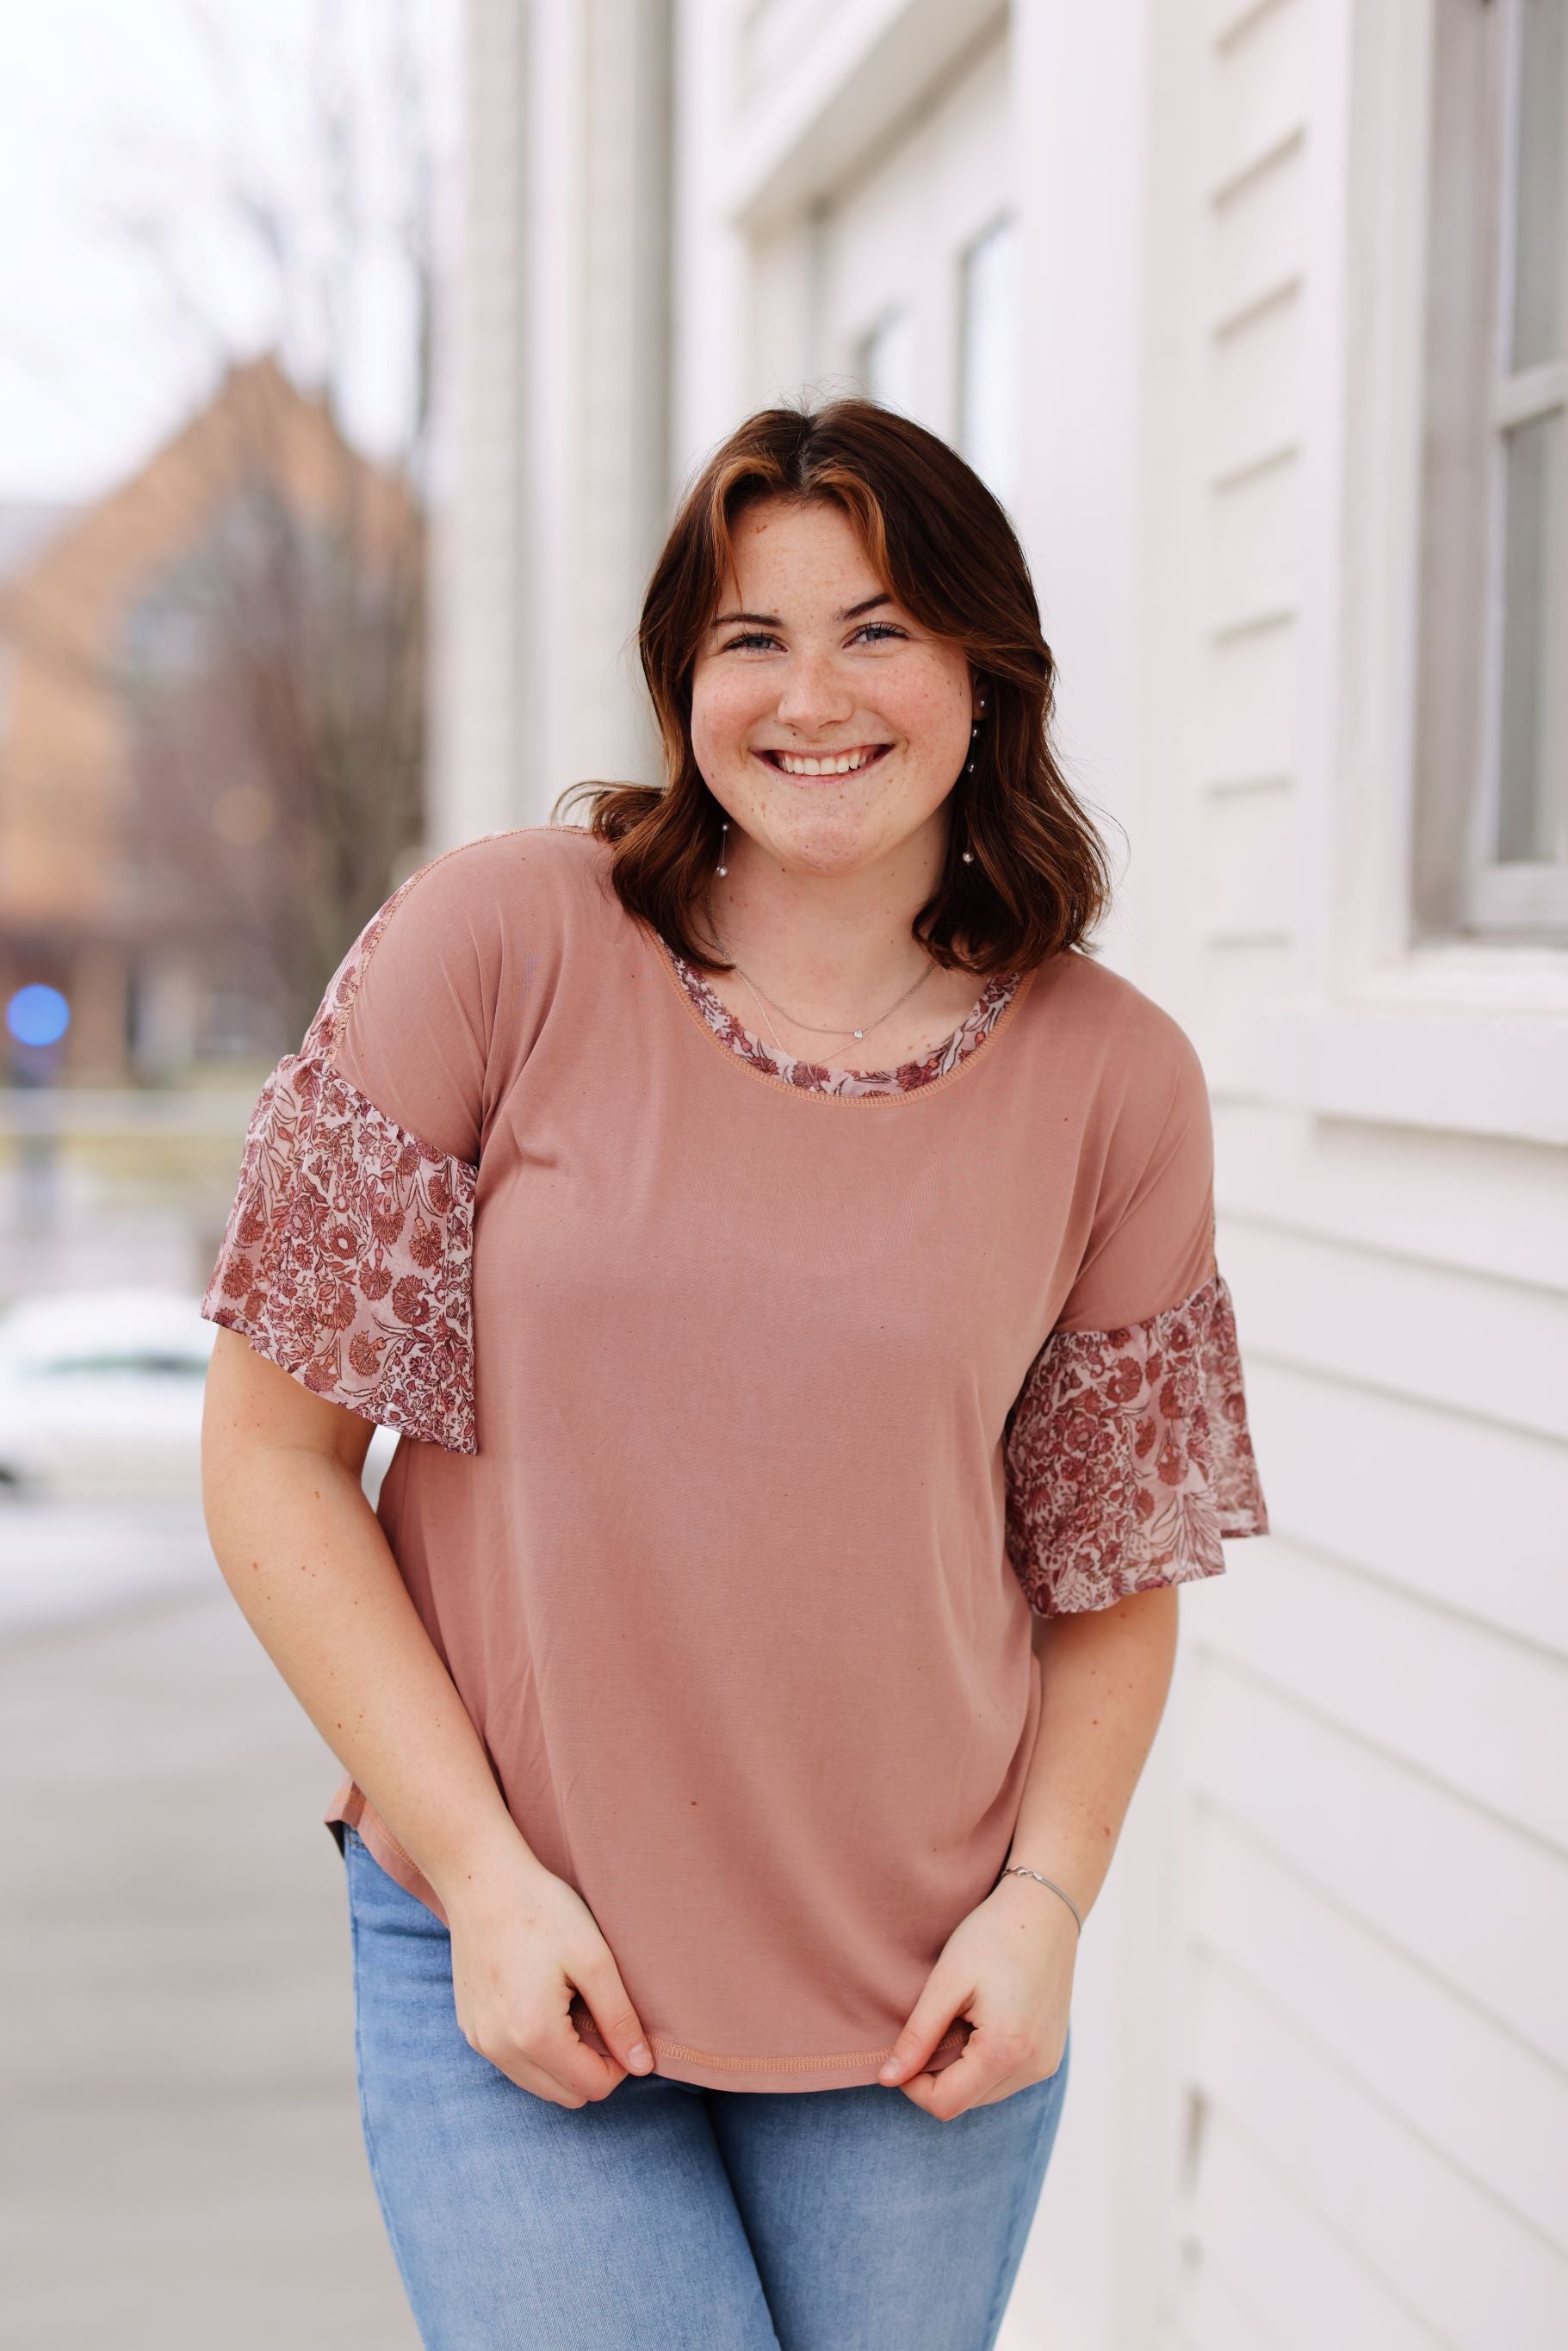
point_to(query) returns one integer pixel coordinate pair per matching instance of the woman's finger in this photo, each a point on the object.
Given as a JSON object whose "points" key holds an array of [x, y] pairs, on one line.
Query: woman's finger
{"points": [[992, 2057], [598, 1980], [941, 1999]]}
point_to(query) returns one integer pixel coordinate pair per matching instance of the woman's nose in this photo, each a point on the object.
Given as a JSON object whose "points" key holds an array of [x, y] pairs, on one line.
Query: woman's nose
{"points": [[814, 694]]}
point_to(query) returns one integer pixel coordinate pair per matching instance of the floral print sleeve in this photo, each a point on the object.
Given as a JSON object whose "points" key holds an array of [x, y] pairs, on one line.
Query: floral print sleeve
{"points": [[346, 1258], [1128, 1458]]}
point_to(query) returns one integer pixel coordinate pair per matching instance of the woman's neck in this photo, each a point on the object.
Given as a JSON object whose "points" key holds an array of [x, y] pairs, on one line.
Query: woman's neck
{"points": [[825, 943], [830, 954]]}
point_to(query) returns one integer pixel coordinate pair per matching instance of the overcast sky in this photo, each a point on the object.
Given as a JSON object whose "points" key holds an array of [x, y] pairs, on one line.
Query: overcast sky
{"points": [[124, 106]]}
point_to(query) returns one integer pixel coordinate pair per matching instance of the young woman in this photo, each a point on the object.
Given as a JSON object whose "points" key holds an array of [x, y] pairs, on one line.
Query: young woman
{"points": [[788, 1256]]}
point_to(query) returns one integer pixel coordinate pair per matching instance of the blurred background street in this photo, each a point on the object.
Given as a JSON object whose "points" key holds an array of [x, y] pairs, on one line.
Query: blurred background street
{"points": [[182, 2161]]}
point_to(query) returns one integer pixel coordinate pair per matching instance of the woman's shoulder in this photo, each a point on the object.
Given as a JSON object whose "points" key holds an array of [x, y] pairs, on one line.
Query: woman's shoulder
{"points": [[519, 890], [541, 863], [455, 913], [1109, 1016]]}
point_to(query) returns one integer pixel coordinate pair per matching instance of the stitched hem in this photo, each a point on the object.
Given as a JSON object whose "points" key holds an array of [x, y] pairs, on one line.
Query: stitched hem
{"points": [[841, 2063]]}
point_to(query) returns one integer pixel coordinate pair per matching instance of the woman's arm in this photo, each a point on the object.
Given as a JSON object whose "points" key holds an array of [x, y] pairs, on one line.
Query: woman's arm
{"points": [[1008, 1965], [1105, 1676], [304, 1554]]}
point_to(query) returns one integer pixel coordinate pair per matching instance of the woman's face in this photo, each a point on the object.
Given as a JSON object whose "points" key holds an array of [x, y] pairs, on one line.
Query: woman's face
{"points": [[811, 664]]}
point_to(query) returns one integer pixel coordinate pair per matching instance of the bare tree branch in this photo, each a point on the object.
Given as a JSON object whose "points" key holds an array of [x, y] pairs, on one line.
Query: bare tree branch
{"points": [[271, 655]]}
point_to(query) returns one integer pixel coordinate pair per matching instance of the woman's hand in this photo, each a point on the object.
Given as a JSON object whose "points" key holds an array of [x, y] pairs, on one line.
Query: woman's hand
{"points": [[1008, 1967], [522, 1941], [282, 1492]]}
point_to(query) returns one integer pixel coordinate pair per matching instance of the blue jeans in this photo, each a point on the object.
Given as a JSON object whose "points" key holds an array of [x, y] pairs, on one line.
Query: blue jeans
{"points": [[667, 2217]]}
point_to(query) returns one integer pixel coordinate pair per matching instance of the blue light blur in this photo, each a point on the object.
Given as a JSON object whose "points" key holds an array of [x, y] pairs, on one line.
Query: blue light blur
{"points": [[37, 1015]]}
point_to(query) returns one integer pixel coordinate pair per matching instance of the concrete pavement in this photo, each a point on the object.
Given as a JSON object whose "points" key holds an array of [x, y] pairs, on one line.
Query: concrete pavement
{"points": [[181, 2167]]}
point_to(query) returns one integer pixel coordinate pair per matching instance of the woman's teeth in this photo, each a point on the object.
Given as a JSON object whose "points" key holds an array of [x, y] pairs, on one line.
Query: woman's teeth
{"points": [[845, 764]]}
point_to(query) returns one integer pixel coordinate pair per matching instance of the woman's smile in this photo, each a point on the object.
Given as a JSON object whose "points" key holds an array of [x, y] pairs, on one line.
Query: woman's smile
{"points": [[801, 765]]}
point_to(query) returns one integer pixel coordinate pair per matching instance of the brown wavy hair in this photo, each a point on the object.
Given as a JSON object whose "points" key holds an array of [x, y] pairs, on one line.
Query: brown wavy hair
{"points": [[943, 546]]}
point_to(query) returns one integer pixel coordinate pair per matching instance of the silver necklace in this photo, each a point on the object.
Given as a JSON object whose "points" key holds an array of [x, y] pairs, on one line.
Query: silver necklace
{"points": [[813, 1028]]}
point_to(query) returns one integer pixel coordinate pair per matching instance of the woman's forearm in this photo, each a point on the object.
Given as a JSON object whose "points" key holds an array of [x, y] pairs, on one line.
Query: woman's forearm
{"points": [[1105, 1673], [303, 1552]]}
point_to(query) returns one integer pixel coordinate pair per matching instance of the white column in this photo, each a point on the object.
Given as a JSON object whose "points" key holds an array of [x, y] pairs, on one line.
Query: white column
{"points": [[477, 537], [562, 495], [1079, 91], [712, 281]]}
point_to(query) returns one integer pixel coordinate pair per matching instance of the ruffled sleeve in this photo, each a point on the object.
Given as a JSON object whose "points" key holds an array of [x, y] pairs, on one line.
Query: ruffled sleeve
{"points": [[1129, 1458], [346, 1254], [1127, 1454]]}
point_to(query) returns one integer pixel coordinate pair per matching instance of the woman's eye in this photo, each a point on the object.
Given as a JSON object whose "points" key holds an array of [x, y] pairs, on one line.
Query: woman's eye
{"points": [[759, 637]]}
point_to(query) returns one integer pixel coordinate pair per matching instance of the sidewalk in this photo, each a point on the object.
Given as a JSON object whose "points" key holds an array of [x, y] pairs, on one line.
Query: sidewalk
{"points": [[182, 2166]]}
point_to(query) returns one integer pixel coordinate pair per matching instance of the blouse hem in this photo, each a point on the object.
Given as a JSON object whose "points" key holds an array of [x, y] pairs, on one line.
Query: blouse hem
{"points": [[677, 2060]]}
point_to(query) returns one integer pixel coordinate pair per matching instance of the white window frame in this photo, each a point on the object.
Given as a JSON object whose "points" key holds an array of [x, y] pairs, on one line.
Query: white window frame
{"points": [[1398, 1020], [1004, 462], [1460, 888], [883, 353]]}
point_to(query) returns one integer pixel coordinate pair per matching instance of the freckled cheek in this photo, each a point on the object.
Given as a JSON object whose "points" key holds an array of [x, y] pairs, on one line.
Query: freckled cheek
{"points": [[722, 719], [927, 718]]}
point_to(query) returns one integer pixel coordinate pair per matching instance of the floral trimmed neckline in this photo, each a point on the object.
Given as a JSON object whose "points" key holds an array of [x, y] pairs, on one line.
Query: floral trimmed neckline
{"points": [[816, 1077]]}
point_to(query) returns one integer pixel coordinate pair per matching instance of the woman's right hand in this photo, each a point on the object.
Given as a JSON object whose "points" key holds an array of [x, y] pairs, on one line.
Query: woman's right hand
{"points": [[281, 1482], [523, 1941]]}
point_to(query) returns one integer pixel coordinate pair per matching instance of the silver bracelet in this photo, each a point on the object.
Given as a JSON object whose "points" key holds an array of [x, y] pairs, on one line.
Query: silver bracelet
{"points": [[1014, 1869]]}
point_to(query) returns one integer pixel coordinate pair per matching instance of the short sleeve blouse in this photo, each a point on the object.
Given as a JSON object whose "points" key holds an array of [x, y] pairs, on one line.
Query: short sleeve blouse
{"points": [[749, 1410]]}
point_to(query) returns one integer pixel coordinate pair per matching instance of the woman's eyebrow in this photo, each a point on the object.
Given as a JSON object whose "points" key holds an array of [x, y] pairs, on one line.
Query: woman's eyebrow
{"points": [[772, 621]]}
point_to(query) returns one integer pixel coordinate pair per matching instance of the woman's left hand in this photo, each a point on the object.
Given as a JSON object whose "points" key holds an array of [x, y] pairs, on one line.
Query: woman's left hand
{"points": [[1008, 1967]]}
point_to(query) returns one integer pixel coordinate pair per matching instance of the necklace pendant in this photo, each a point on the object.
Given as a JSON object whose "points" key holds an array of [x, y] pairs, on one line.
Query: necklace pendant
{"points": [[860, 1032]]}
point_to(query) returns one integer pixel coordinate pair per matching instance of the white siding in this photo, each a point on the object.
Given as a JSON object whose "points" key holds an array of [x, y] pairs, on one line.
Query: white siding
{"points": [[1378, 1884]]}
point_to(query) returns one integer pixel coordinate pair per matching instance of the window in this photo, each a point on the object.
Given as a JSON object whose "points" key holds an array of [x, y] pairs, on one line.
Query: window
{"points": [[1491, 857], [989, 402], [884, 361]]}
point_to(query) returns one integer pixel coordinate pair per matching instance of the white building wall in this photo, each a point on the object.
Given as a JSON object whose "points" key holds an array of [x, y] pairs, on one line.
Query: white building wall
{"points": [[1321, 2085], [1376, 1831]]}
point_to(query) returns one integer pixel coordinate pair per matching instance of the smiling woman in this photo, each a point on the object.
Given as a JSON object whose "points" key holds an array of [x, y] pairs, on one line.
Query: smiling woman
{"points": [[840, 583], [805, 1427], [829, 739]]}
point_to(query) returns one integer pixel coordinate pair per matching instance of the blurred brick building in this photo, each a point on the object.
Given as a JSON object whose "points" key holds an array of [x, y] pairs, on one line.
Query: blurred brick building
{"points": [[178, 661]]}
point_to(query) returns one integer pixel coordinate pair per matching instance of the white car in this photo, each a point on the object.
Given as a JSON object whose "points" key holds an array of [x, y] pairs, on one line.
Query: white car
{"points": [[100, 1393]]}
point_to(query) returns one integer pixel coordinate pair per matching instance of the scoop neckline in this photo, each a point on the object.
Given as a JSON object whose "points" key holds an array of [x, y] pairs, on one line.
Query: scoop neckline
{"points": [[890, 1094]]}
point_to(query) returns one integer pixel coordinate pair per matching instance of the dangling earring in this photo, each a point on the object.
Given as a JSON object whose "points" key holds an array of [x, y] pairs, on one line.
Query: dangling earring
{"points": [[722, 866], [972, 732], [968, 854]]}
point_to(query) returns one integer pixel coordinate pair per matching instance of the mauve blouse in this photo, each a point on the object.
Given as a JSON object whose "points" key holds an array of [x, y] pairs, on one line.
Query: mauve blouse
{"points": [[748, 1408]]}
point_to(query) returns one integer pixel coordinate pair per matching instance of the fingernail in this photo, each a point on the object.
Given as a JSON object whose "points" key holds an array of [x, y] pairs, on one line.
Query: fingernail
{"points": [[890, 2070], [642, 2056]]}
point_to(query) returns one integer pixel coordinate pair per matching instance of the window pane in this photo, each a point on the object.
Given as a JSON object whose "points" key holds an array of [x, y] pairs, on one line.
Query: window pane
{"points": [[990, 392], [1530, 750], [885, 362], [1541, 183]]}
